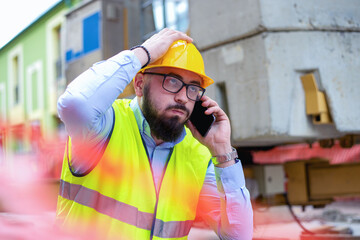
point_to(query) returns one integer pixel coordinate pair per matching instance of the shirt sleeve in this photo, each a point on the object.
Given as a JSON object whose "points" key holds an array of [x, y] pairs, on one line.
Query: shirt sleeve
{"points": [[85, 106], [224, 202]]}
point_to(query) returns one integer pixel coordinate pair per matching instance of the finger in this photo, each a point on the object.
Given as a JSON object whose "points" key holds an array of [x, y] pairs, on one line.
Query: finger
{"points": [[212, 110], [206, 99], [175, 35], [219, 114], [209, 103], [164, 30], [181, 36]]}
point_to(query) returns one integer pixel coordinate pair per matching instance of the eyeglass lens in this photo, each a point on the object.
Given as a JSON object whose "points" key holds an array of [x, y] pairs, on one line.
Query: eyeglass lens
{"points": [[174, 85]]}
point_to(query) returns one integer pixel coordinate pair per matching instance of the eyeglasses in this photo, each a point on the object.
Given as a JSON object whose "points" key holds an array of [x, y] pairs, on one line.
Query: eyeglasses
{"points": [[174, 85]]}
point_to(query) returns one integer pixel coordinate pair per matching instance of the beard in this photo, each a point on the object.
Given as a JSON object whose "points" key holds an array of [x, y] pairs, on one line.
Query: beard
{"points": [[165, 128]]}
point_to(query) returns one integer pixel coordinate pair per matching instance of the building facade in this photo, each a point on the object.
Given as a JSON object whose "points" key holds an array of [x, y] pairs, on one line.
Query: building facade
{"points": [[32, 76]]}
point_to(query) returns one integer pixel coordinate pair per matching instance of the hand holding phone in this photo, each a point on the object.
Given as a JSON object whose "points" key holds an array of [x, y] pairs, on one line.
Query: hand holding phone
{"points": [[200, 120]]}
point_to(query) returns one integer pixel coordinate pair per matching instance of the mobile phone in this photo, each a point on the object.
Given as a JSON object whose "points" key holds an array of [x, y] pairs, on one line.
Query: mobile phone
{"points": [[200, 120]]}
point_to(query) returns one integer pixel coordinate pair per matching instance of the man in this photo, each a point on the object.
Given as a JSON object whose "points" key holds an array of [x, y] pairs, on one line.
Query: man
{"points": [[131, 170]]}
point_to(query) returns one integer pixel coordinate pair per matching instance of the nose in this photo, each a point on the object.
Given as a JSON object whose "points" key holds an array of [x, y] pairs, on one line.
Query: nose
{"points": [[181, 96]]}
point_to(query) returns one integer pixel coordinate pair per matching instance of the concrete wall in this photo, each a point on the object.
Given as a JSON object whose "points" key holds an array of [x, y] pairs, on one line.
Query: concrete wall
{"points": [[229, 20], [261, 48], [121, 24]]}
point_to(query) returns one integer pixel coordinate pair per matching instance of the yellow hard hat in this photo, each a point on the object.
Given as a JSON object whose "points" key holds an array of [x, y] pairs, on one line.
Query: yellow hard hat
{"points": [[183, 55]]}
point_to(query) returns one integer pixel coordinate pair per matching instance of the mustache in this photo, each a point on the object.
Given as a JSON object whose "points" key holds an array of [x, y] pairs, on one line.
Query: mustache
{"points": [[180, 107]]}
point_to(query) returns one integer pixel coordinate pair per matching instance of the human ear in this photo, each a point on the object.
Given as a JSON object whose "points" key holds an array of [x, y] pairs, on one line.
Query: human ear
{"points": [[139, 83]]}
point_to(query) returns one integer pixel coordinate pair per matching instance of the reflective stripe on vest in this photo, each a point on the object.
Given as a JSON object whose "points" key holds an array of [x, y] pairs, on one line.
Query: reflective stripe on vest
{"points": [[105, 205], [121, 187], [126, 213]]}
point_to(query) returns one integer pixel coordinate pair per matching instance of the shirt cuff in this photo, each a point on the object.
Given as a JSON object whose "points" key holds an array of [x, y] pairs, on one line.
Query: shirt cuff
{"points": [[230, 179]]}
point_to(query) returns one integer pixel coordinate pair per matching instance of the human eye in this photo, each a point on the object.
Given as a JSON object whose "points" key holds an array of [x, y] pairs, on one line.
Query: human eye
{"points": [[193, 88], [173, 81]]}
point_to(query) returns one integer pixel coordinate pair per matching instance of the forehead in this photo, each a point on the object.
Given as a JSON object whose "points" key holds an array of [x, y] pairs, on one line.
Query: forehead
{"points": [[184, 75]]}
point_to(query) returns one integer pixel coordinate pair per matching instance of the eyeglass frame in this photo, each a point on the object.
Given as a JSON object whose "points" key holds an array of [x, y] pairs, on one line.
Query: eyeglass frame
{"points": [[183, 84]]}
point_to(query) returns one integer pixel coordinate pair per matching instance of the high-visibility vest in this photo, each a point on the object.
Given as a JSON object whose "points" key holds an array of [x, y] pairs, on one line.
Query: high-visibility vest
{"points": [[118, 198]]}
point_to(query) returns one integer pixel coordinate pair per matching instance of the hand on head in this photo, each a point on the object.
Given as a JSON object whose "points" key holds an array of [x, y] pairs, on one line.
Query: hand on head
{"points": [[159, 43]]}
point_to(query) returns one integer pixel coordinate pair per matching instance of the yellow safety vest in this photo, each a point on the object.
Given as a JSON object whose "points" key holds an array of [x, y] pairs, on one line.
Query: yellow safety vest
{"points": [[118, 198]]}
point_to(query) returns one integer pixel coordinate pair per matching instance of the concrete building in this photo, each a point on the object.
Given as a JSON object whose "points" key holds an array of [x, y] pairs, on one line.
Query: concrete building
{"points": [[258, 51]]}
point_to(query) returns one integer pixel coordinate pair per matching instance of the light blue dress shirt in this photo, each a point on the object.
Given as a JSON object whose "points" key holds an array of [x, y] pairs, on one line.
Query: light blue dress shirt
{"points": [[85, 108]]}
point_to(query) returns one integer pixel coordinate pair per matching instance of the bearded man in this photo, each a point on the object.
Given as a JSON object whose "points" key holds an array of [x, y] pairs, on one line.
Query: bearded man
{"points": [[138, 169]]}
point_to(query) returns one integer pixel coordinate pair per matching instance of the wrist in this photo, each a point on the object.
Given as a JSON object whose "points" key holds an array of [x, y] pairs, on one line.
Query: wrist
{"points": [[142, 54], [220, 149], [224, 160]]}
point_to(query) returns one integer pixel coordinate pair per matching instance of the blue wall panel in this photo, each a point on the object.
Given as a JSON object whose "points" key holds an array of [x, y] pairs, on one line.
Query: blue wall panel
{"points": [[90, 38], [91, 33]]}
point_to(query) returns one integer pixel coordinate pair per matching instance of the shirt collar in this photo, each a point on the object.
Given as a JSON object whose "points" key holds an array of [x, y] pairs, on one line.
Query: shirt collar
{"points": [[144, 127]]}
